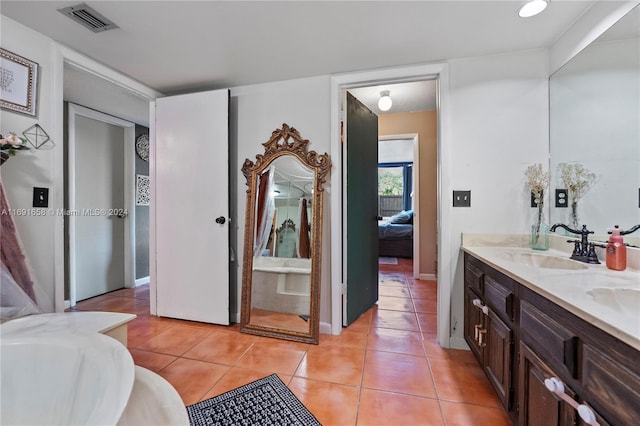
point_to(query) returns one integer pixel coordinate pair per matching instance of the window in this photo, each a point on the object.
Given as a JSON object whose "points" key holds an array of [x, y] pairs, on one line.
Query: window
{"points": [[394, 188]]}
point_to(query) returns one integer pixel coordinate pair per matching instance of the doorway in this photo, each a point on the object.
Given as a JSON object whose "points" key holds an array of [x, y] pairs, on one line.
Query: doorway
{"points": [[99, 216], [390, 76], [81, 80]]}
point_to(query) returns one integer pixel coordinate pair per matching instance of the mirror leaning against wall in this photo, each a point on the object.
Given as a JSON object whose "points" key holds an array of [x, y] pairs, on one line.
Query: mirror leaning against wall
{"points": [[595, 123], [283, 239]]}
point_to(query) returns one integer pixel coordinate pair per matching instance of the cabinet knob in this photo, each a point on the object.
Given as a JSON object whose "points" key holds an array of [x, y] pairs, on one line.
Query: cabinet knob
{"points": [[587, 415], [478, 304]]}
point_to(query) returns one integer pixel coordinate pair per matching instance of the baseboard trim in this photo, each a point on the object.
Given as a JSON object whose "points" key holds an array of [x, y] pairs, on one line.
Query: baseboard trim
{"points": [[458, 343], [67, 304], [142, 281], [427, 277], [325, 328]]}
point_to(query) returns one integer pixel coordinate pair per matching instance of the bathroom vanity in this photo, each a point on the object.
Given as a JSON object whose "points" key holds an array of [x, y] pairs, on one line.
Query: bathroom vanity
{"points": [[540, 324]]}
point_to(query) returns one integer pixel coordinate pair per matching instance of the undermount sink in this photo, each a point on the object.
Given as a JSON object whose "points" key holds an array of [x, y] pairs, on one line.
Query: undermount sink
{"points": [[626, 300], [544, 261], [70, 379]]}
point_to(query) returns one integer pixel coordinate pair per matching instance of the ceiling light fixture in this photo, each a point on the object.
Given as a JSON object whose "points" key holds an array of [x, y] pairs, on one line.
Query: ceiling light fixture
{"points": [[385, 101], [532, 8]]}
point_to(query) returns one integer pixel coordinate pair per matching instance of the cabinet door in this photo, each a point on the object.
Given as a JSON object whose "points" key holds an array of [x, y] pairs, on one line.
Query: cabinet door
{"points": [[498, 357], [473, 325], [537, 405]]}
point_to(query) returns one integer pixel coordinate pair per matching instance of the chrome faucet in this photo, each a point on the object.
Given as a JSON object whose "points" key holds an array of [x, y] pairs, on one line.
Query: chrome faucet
{"points": [[583, 250]]}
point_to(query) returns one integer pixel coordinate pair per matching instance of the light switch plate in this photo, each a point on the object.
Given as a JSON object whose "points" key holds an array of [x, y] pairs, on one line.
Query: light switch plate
{"points": [[461, 198], [40, 197]]}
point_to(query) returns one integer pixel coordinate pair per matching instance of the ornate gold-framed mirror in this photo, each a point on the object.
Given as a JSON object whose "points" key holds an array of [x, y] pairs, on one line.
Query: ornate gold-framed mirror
{"points": [[283, 239]]}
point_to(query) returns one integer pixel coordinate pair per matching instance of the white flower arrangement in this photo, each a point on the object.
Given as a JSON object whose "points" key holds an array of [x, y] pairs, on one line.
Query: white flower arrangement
{"points": [[578, 180], [537, 181]]}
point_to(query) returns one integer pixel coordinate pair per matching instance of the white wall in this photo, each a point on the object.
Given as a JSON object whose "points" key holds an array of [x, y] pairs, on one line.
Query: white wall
{"points": [[499, 126], [34, 168], [258, 110]]}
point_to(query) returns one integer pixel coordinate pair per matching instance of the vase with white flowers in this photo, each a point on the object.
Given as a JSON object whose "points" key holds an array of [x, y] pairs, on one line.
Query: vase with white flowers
{"points": [[537, 181], [578, 180], [10, 143]]}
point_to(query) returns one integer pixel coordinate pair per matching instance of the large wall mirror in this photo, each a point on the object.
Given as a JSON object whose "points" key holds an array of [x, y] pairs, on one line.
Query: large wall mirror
{"points": [[283, 239], [595, 121]]}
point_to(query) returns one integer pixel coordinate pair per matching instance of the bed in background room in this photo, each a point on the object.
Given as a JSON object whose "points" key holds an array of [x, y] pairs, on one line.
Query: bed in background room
{"points": [[395, 236]]}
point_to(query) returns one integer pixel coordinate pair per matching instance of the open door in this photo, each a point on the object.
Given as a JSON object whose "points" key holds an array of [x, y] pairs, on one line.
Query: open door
{"points": [[99, 181], [191, 178], [361, 210]]}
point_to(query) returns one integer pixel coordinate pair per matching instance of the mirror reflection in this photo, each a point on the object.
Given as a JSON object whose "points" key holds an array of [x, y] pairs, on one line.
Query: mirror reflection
{"points": [[281, 273], [595, 122]]}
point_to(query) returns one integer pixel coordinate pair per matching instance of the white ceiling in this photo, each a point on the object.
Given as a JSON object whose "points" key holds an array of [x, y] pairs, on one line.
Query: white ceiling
{"points": [[186, 46]]}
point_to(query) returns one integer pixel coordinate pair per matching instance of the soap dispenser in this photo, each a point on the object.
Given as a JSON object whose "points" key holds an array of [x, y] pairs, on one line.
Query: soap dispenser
{"points": [[616, 251]]}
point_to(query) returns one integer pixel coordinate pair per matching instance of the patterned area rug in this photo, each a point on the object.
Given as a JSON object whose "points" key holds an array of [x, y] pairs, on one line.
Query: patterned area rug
{"points": [[267, 401], [388, 260]]}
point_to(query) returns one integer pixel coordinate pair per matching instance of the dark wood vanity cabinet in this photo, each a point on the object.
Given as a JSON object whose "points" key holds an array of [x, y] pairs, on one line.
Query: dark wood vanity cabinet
{"points": [[488, 328], [537, 406], [524, 338]]}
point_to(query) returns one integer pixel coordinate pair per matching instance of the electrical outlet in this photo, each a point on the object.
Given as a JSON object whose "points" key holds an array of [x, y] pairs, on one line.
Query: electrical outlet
{"points": [[533, 199], [562, 198], [461, 198], [40, 197]]}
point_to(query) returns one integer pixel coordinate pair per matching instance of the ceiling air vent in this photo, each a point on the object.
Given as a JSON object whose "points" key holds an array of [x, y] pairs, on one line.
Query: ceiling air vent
{"points": [[87, 17]]}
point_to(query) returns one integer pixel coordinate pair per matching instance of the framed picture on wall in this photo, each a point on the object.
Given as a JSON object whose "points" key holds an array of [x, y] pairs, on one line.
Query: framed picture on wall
{"points": [[18, 83]]}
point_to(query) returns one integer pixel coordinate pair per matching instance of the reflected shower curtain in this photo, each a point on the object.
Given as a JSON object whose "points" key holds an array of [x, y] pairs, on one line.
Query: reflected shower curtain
{"points": [[304, 249], [265, 208]]}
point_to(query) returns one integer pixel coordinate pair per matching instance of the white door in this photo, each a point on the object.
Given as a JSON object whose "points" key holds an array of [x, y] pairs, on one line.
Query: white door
{"points": [[190, 191], [99, 246]]}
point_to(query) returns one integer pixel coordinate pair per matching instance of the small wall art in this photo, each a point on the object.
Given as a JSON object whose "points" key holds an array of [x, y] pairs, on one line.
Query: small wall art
{"points": [[18, 83], [38, 138], [142, 190]]}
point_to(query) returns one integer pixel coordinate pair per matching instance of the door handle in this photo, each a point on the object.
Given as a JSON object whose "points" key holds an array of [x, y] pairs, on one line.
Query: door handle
{"points": [[378, 217], [221, 220]]}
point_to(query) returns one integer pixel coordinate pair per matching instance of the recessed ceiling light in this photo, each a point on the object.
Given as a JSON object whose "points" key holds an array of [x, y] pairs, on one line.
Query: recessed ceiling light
{"points": [[532, 8]]}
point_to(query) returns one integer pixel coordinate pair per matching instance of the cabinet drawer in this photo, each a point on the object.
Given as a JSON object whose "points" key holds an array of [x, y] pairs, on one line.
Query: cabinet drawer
{"points": [[473, 274], [612, 387], [500, 298], [554, 343]]}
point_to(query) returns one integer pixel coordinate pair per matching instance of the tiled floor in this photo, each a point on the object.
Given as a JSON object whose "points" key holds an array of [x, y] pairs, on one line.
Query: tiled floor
{"points": [[384, 369]]}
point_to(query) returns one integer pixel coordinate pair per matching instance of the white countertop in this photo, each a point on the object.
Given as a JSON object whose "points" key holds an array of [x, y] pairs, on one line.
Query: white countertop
{"points": [[607, 299], [67, 322]]}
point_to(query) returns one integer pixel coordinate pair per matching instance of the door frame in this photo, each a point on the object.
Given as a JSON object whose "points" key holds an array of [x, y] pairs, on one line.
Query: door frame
{"points": [[62, 56], [74, 111], [415, 186], [340, 82]]}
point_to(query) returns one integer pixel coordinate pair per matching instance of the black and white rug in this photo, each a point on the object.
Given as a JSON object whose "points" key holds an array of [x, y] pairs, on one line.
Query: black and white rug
{"points": [[267, 401]]}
